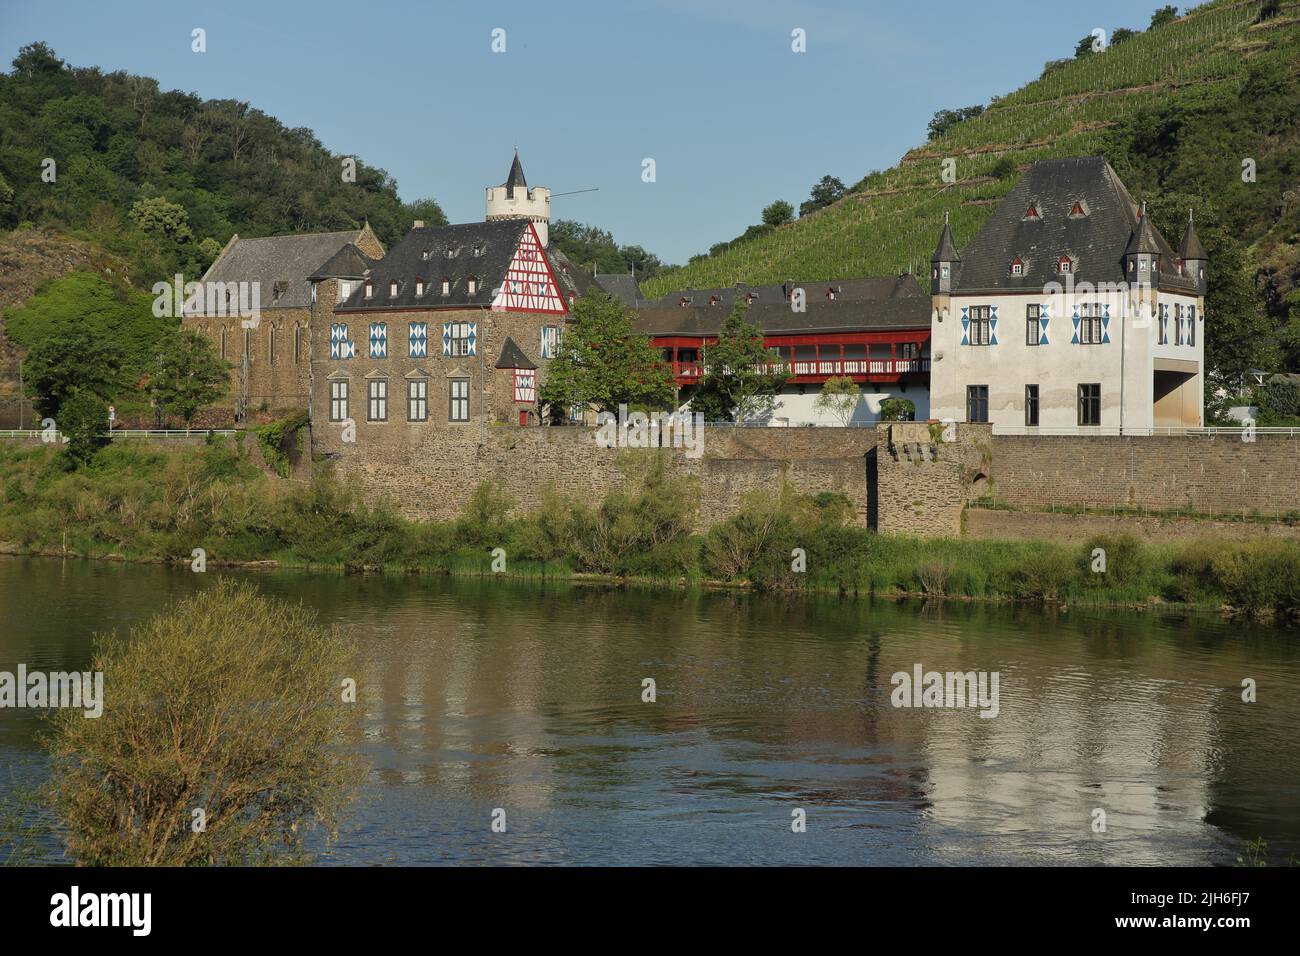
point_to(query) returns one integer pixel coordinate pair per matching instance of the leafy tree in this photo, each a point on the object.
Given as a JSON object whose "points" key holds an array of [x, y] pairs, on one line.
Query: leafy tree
{"points": [[230, 702], [825, 191], [839, 396], [72, 359], [897, 410], [589, 245], [602, 364], [190, 376], [778, 213], [1279, 399], [1120, 34], [426, 210], [944, 120], [159, 217], [1164, 15], [1084, 47], [737, 368], [83, 331], [83, 420]]}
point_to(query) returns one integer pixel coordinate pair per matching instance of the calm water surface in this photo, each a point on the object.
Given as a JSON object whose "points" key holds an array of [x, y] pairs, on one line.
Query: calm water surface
{"points": [[485, 694]]}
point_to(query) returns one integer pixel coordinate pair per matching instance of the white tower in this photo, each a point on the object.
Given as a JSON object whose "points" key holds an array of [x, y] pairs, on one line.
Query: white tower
{"points": [[514, 200]]}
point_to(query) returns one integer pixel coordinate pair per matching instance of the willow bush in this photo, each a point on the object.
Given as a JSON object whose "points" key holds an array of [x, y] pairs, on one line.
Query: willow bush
{"points": [[229, 705]]}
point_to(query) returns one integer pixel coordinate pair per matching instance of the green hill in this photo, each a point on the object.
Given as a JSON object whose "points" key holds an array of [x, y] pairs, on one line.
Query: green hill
{"points": [[164, 178], [1176, 109]]}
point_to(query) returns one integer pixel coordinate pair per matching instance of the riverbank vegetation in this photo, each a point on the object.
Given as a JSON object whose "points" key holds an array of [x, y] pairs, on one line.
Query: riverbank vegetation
{"points": [[135, 502]]}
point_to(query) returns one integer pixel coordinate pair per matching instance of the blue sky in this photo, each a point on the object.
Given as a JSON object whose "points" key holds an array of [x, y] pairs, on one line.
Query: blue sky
{"points": [[709, 89]]}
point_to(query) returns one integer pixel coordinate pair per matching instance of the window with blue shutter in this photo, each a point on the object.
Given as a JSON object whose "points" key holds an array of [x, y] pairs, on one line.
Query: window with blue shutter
{"points": [[459, 339], [419, 340], [340, 347], [378, 340]]}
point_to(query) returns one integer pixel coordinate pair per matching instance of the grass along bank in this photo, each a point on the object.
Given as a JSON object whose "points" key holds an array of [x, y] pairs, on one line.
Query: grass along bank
{"points": [[141, 504]]}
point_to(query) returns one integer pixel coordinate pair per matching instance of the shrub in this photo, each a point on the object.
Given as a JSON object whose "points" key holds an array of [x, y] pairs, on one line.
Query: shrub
{"points": [[1044, 576], [1124, 559], [230, 703], [83, 420], [753, 544], [897, 410]]}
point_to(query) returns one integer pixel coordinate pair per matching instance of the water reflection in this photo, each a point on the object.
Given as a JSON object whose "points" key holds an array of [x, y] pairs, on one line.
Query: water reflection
{"points": [[483, 694]]}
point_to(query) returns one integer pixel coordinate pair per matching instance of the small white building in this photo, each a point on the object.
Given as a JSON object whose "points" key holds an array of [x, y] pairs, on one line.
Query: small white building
{"points": [[1069, 312]]}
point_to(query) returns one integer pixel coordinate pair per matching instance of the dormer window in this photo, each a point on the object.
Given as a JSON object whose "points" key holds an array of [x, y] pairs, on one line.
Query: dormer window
{"points": [[1018, 267], [471, 285], [392, 289], [370, 288], [453, 251], [425, 255], [419, 287], [1064, 265], [1078, 210], [1032, 211], [480, 249]]}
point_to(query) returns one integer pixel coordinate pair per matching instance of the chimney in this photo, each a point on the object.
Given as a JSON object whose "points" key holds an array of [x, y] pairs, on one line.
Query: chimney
{"points": [[419, 224]]}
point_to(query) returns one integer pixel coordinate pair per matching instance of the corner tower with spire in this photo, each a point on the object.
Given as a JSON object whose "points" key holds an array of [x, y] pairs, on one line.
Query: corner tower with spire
{"points": [[514, 200]]}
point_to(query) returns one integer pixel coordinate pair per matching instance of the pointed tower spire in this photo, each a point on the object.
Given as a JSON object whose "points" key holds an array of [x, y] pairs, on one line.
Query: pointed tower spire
{"points": [[1143, 238], [945, 261], [516, 177], [1190, 247]]}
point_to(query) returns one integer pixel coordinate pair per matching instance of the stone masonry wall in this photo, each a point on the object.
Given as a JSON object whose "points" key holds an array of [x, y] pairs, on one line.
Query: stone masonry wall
{"points": [[1205, 474], [1078, 528], [433, 478]]}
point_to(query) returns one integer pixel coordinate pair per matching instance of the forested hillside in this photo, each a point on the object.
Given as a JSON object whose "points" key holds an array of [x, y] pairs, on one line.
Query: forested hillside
{"points": [[1178, 108], [163, 179]]}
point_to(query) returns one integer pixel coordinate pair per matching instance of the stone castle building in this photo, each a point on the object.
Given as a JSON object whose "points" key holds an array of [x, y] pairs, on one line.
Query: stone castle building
{"points": [[271, 355]]}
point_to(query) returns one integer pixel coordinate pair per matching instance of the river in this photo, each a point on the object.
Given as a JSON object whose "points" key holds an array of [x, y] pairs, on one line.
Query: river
{"points": [[527, 697]]}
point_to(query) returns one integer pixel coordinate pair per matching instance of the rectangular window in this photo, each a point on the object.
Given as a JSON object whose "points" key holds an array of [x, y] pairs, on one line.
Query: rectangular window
{"points": [[1090, 404], [979, 324], [338, 401], [460, 341], [977, 403], [248, 345], [1090, 323], [345, 289], [417, 400], [1163, 330], [271, 345], [1178, 324], [297, 344], [1031, 404], [550, 341], [378, 411], [458, 400], [1191, 325], [1032, 332], [908, 350]]}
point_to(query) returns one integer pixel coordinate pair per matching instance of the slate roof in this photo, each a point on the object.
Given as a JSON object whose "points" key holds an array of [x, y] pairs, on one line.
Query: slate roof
{"points": [[1095, 241], [1190, 247], [777, 318], [516, 177], [868, 289], [572, 279], [624, 288], [432, 253], [946, 250], [288, 260], [348, 263], [512, 356]]}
